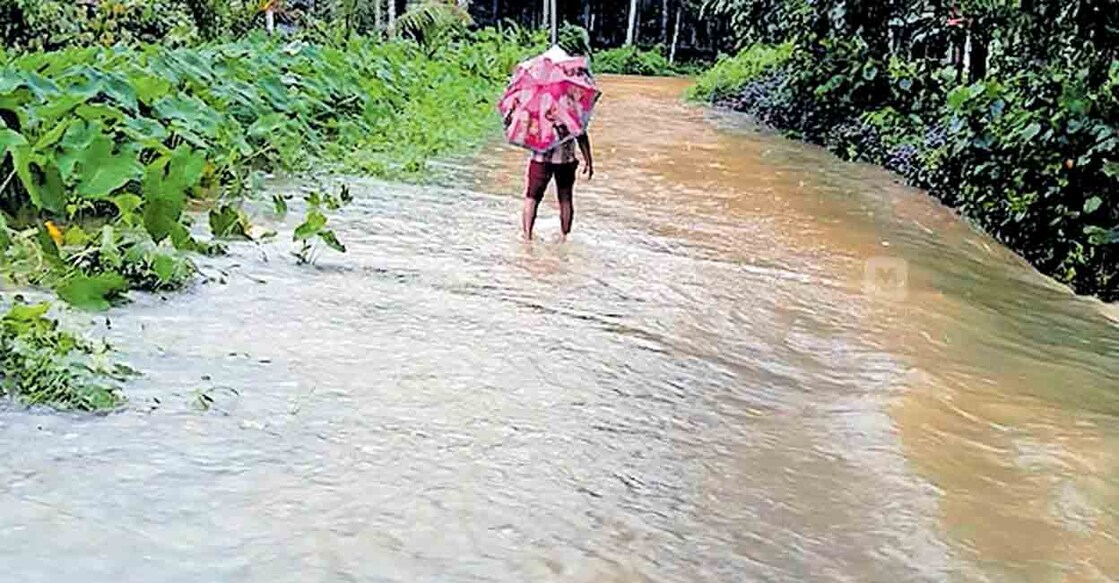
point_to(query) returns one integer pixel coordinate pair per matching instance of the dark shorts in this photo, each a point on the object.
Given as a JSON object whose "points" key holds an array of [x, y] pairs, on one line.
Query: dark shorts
{"points": [[540, 173]]}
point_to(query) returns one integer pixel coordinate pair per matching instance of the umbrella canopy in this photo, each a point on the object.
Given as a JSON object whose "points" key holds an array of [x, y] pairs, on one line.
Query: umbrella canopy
{"points": [[549, 100]]}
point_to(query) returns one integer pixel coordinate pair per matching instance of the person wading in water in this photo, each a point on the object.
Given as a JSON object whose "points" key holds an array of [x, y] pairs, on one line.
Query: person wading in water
{"points": [[559, 163]]}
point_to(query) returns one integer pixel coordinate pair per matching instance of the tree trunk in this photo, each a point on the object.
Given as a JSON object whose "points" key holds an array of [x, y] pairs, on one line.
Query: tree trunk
{"points": [[664, 22], [554, 26], [545, 16], [392, 14], [378, 18], [631, 31], [270, 21], [676, 35], [977, 61], [496, 11]]}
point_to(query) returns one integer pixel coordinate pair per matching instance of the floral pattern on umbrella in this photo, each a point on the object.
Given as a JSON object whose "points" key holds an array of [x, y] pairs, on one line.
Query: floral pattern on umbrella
{"points": [[549, 100]]}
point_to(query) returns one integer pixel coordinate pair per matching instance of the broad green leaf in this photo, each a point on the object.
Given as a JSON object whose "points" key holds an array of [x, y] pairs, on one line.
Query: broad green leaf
{"points": [[99, 112], [24, 313], [127, 203], [181, 238], [109, 249], [75, 237], [150, 88], [166, 184], [142, 128], [77, 139], [226, 222], [57, 108], [52, 136], [312, 225], [120, 91], [164, 267], [10, 138], [10, 81], [41, 86], [185, 167], [43, 183], [80, 134], [161, 214], [958, 96], [92, 293], [101, 172], [332, 241], [1092, 204]]}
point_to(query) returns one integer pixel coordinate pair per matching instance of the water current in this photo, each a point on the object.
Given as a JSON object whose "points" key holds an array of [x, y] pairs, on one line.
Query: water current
{"points": [[751, 362]]}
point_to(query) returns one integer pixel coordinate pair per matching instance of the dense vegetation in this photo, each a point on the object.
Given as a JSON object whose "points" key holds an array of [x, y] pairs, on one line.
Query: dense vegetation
{"points": [[634, 61], [110, 154], [1005, 110], [43, 364], [111, 145]]}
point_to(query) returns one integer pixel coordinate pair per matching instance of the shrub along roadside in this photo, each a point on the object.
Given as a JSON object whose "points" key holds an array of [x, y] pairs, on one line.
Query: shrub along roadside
{"points": [[634, 61], [43, 364], [1031, 156], [103, 151]]}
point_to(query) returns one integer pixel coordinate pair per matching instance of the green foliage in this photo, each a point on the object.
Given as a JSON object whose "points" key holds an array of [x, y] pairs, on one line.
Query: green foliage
{"points": [[42, 364], [634, 61], [313, 228], [730, 74], [761, 21], [51, 24], [92, 292], [115, 144], [1022, 136], [433, 22], [574, 39]]}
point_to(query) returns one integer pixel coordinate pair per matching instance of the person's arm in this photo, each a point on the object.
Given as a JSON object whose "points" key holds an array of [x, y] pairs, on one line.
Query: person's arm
{"points": [[588, 158]]}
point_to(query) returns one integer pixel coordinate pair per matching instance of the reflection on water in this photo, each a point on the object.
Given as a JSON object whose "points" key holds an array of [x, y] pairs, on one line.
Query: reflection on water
{"points": [[696, 387]]}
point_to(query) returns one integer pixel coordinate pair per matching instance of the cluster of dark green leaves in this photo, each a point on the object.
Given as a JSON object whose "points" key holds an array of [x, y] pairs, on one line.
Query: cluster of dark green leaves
{"points": [[634, 61], [729, 75], [114, 145], [42, 364], [53, 24], [1021, 132], [313, 228]]}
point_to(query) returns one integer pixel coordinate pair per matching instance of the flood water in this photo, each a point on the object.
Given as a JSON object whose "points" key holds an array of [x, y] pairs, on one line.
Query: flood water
{"points": [[703, 384]]}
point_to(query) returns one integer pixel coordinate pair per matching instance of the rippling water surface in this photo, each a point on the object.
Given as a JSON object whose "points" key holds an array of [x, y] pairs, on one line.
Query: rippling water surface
{"points": [[702, 385]]}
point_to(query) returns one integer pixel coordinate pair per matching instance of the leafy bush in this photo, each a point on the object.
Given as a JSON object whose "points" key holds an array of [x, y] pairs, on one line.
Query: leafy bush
{"points": [[574, 39], [1030, 156], [112, 144], [634, 61], [50, 24], [731, 74], [42, 364], [433, 22]]}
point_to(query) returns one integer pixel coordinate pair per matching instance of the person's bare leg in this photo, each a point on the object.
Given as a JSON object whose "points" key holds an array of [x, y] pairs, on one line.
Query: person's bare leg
{"points": [[536, 182], [529, 219], [567, 214], [565, 187]]}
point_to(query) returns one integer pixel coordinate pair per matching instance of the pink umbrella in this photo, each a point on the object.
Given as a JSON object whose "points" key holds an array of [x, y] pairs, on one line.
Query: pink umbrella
{"points": [[549, 100]]}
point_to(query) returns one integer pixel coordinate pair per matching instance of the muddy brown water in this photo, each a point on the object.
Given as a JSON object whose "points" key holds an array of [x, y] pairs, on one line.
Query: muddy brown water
{"points": [[751, 362]]}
